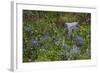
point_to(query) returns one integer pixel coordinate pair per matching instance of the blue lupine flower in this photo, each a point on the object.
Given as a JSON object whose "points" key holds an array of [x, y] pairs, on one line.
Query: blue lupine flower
{"points": [[75, 50], [79, 40], [35, 42], [71, 27]]}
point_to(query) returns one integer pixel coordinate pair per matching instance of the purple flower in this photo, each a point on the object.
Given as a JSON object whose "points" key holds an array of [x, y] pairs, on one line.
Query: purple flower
{"points": [[75, 50], [35, 42], [79, 40]]}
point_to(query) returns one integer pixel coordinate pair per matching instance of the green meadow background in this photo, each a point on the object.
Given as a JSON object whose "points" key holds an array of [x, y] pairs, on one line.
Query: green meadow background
{"points": [[45, 36]]}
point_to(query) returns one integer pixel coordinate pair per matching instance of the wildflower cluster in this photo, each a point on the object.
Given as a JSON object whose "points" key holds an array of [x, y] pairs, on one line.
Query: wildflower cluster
{"points": [[55, 36]]}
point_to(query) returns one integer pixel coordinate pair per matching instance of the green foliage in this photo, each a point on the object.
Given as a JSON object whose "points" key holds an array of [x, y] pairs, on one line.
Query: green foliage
{"points": [[45, 37]]}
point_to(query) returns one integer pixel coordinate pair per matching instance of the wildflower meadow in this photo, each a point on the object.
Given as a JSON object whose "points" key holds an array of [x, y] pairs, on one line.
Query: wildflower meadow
{"points": [[56, 36]]}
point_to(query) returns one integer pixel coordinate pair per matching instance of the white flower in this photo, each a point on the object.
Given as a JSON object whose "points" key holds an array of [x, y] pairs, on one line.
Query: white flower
{"points": [[71, 27]]}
